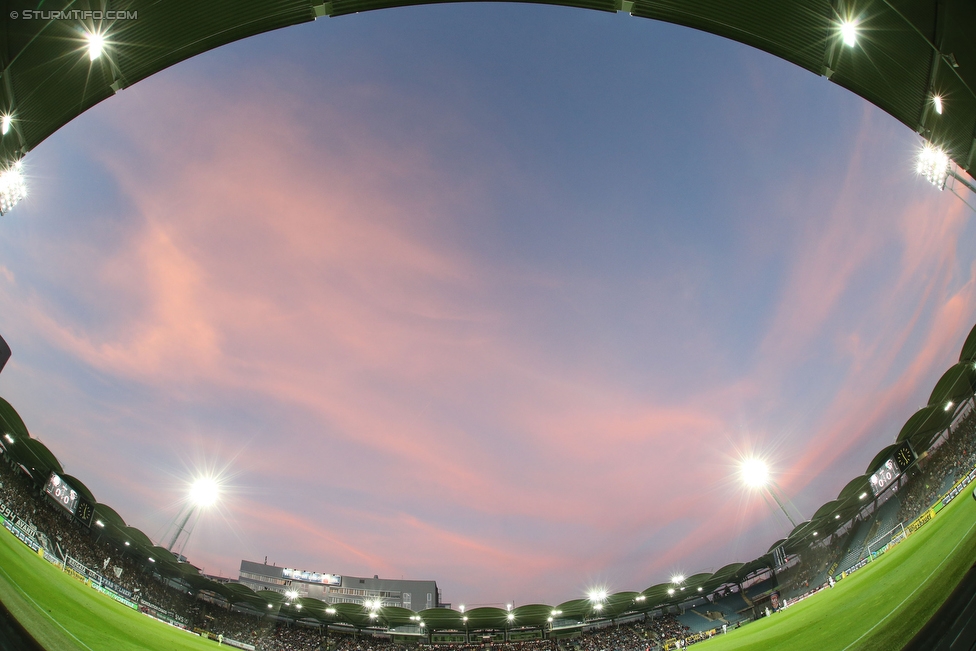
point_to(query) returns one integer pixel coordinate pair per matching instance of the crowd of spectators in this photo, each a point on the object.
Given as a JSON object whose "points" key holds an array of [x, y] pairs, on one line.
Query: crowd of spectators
{"points": [[641, 635], [929, 476], [61, 535], [922, 486]]}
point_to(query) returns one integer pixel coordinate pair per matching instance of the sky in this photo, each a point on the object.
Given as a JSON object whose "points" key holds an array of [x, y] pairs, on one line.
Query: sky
{"points": [[494, 295]]}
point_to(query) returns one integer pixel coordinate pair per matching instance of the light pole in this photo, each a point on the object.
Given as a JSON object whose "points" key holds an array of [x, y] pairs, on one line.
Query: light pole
{"points": [[204, 493], [755, 474]]}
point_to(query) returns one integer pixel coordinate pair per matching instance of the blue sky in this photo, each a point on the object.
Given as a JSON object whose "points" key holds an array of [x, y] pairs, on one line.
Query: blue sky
{"points": [[491, 294]]}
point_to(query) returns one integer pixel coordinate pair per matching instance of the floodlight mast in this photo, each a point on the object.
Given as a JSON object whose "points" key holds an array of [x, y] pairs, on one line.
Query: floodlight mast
{"points": [[780, 504], [203, 493], [756, 474], [187, 512]]}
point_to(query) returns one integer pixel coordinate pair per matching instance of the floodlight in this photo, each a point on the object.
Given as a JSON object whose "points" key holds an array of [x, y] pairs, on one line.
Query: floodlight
{"points": [[933, 164], [204, 491], [508, 606], [461, 608], [677, 578], [598, 606], [670, 591], [126, 543], [550, 620], [13, 187], [511, 616], [848, 32], [373, 615], [949, 405], [96, 43], [640, 598], [937, 101], [837, 516], [598, 595], [298, 606], [5, 124], [699, 588], [269, 605], [9, 438], [464, 619], [100, 523], [291, 594], [330, 611], [152, 560], [422, 625], [754, 473], [862, 495]]}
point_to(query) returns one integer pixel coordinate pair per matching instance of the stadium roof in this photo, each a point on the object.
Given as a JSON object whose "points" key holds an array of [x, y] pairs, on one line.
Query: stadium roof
{"points": [[915, 59]]}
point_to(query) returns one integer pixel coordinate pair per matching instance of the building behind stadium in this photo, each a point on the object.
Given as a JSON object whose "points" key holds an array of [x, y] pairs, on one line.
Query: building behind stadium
{"points": [[338, 589]]}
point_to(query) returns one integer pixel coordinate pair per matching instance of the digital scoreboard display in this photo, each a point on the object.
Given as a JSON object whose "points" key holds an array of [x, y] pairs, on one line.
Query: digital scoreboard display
{"points": [[311, 577], [893, 468], [62, 493]]}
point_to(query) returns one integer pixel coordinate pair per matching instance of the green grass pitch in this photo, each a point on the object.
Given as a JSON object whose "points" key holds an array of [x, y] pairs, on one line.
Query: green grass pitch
{"points": [[879, 607]]}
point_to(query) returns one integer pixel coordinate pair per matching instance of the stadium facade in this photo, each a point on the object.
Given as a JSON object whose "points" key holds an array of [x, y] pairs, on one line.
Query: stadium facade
{"points": [[340, 589]]}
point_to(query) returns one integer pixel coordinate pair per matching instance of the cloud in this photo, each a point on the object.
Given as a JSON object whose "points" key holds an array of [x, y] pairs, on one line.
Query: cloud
{"points": [[414, 403]]}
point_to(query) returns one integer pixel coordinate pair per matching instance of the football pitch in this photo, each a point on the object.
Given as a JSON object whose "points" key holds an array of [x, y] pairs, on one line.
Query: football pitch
{"points": [[879, 607]]}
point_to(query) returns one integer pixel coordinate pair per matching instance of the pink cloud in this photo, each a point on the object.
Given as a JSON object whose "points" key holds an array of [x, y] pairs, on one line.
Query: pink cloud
{"points": [[321, 285]]}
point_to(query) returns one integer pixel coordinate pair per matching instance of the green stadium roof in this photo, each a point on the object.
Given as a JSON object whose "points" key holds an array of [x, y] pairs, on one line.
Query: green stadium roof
{"points": [[907, 51]]}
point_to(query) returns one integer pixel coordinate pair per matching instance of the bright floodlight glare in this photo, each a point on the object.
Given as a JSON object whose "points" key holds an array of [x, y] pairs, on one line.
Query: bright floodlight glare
{"points": [[9, 438], [670, 591], [848, 32], [13, 187], [754, 473], [598, 606], [511, 616], [949, 405], [96, 43], [5, 124], [937, 101], [204, 491], [677, 578], [933, 164]]}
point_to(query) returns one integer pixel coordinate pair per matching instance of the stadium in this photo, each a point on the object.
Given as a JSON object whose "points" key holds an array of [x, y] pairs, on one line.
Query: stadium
{"points": [[869, 569]]}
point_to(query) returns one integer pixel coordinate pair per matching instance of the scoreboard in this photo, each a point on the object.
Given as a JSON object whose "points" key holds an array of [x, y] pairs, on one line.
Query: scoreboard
{"points": [[69, 499], [893, 468], [62, 492]]}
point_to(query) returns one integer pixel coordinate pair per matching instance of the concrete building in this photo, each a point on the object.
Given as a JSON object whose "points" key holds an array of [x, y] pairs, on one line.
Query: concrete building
{"points": [[337, 589]]}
